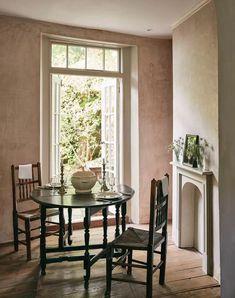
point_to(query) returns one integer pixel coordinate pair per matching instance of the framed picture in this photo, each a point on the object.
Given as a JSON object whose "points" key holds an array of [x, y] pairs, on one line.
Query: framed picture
{"points": [[189, 158]]}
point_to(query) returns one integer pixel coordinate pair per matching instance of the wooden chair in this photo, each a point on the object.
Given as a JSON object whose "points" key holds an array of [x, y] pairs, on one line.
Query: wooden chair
{"points": [[21, 190], [149, 241]]}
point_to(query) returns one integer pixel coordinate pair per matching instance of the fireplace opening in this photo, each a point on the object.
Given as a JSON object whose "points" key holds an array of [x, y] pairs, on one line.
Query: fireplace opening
{"points": [[192, 218]]}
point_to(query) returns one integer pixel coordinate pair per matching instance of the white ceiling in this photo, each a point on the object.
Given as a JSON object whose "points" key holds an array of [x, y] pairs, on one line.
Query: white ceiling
{"points": [[152, 18]]}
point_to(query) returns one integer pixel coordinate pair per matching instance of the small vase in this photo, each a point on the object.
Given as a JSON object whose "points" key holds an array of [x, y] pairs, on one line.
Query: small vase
{"points": [[205, 163], [176, 157], [200, 162]]}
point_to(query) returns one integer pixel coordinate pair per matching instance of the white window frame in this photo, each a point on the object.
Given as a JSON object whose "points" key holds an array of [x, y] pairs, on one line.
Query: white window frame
{"points": [[54, 129], [129, 111], [106, 141], [108, 73], [46, 105]]}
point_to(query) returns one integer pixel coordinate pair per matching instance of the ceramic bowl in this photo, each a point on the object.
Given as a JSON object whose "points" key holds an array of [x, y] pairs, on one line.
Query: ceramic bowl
{"points": [[83, 181]]}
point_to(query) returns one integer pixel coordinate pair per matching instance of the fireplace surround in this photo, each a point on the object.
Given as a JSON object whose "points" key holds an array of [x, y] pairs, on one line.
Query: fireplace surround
{"points": [[183, 227]]}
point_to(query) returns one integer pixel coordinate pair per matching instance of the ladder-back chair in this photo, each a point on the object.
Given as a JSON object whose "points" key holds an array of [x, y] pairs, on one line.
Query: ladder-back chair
{"points": [[149, 241], [21, 190]]}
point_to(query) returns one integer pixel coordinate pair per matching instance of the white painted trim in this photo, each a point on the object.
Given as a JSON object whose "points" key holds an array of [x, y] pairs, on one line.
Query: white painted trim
{"points": [[85, 42], [45, 98], [203, 182], [44, 108], [192, 11], [85, 72]]}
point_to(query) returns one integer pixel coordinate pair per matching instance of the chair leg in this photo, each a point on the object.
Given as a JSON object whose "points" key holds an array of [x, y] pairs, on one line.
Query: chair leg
{"points": [[15, 230], [28, 239], [163, 267], [149, 285], [109, 259], [129, 268]]}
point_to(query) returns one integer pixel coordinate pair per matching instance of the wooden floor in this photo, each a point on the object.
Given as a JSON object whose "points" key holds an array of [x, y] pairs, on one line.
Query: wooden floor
{"points": [[21, 279]]}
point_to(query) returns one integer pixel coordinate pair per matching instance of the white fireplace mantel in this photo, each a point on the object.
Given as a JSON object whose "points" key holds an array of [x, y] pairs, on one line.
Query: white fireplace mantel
{"points": [[183, 174]]}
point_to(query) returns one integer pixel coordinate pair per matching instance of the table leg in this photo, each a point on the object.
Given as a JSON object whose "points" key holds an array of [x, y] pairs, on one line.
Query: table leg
{"points": [[123, 210], [87, 221], [105, 226], [43, 241], [70, 227], [117, 215], [61, 231]]}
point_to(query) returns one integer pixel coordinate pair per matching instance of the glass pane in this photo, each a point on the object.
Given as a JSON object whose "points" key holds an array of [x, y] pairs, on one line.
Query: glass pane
{"points": [[76, 57], [57, 160], [53, 127], [107, 99], [57, 129], [112, 99], [111, 157], [111, 60], [58, 55], [107, 149], [95, 58], [112, 128], [54, 163], [107, 128]]}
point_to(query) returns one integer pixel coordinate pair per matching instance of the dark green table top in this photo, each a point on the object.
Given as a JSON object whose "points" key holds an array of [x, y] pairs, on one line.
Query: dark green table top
{"points": [[51, 198]]}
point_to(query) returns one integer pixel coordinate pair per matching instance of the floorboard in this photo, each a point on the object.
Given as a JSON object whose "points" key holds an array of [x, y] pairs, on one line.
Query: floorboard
{"points": [[21, 279]]}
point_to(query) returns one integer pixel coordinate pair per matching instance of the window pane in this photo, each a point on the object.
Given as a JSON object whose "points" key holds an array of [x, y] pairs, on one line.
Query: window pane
{"points": [[107, 100], [76, 57], [58, 55], [95, 58], [112, 99], [112, 128], [111, 60]]}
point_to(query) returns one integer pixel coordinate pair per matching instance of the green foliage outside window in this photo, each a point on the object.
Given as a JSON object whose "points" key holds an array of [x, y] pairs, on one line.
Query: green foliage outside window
{"points": [[80, 123]]}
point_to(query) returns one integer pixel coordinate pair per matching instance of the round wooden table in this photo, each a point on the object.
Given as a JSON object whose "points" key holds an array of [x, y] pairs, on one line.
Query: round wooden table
{"points": [[52, 199]]}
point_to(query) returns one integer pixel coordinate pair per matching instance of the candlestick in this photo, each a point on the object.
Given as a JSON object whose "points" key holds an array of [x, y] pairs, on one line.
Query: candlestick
{"points": [[104, 185], [62, 187]]}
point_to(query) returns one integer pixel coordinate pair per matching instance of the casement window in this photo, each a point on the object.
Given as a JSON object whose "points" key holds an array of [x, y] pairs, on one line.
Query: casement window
{"points": [[94, 61]]}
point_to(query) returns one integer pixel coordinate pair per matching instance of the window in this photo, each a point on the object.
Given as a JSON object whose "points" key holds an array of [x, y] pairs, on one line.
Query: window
{"points": [[63, 58], [110, 126], [58, 57], [76, 57], [55, 126], [67, 61], [80, 57]]}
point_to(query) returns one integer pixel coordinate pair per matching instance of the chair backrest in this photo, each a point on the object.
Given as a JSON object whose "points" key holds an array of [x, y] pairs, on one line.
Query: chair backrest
{"points": [[158, 207], [22, 188]]}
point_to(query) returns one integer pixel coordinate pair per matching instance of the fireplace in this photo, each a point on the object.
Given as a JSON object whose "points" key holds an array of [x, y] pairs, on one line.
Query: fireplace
{"points": [[192, 211]]}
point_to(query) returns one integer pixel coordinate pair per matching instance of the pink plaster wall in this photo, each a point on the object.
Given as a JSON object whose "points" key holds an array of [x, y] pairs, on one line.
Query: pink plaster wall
{"points": [[155, 114], [20, 100], [195, 80]]}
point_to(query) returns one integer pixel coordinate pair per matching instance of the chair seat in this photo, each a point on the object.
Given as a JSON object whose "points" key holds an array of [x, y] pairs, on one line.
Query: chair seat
{"points": [[34, 214], [136, 239]]}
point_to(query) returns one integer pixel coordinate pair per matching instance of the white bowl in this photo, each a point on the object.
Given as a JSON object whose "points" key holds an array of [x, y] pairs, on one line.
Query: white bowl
{"points": [[83, 181]]}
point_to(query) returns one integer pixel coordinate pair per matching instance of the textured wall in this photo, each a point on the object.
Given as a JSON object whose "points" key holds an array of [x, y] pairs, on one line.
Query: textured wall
{"points": [[155, 106], [226, 28], [20, 101], [195, 92]]}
